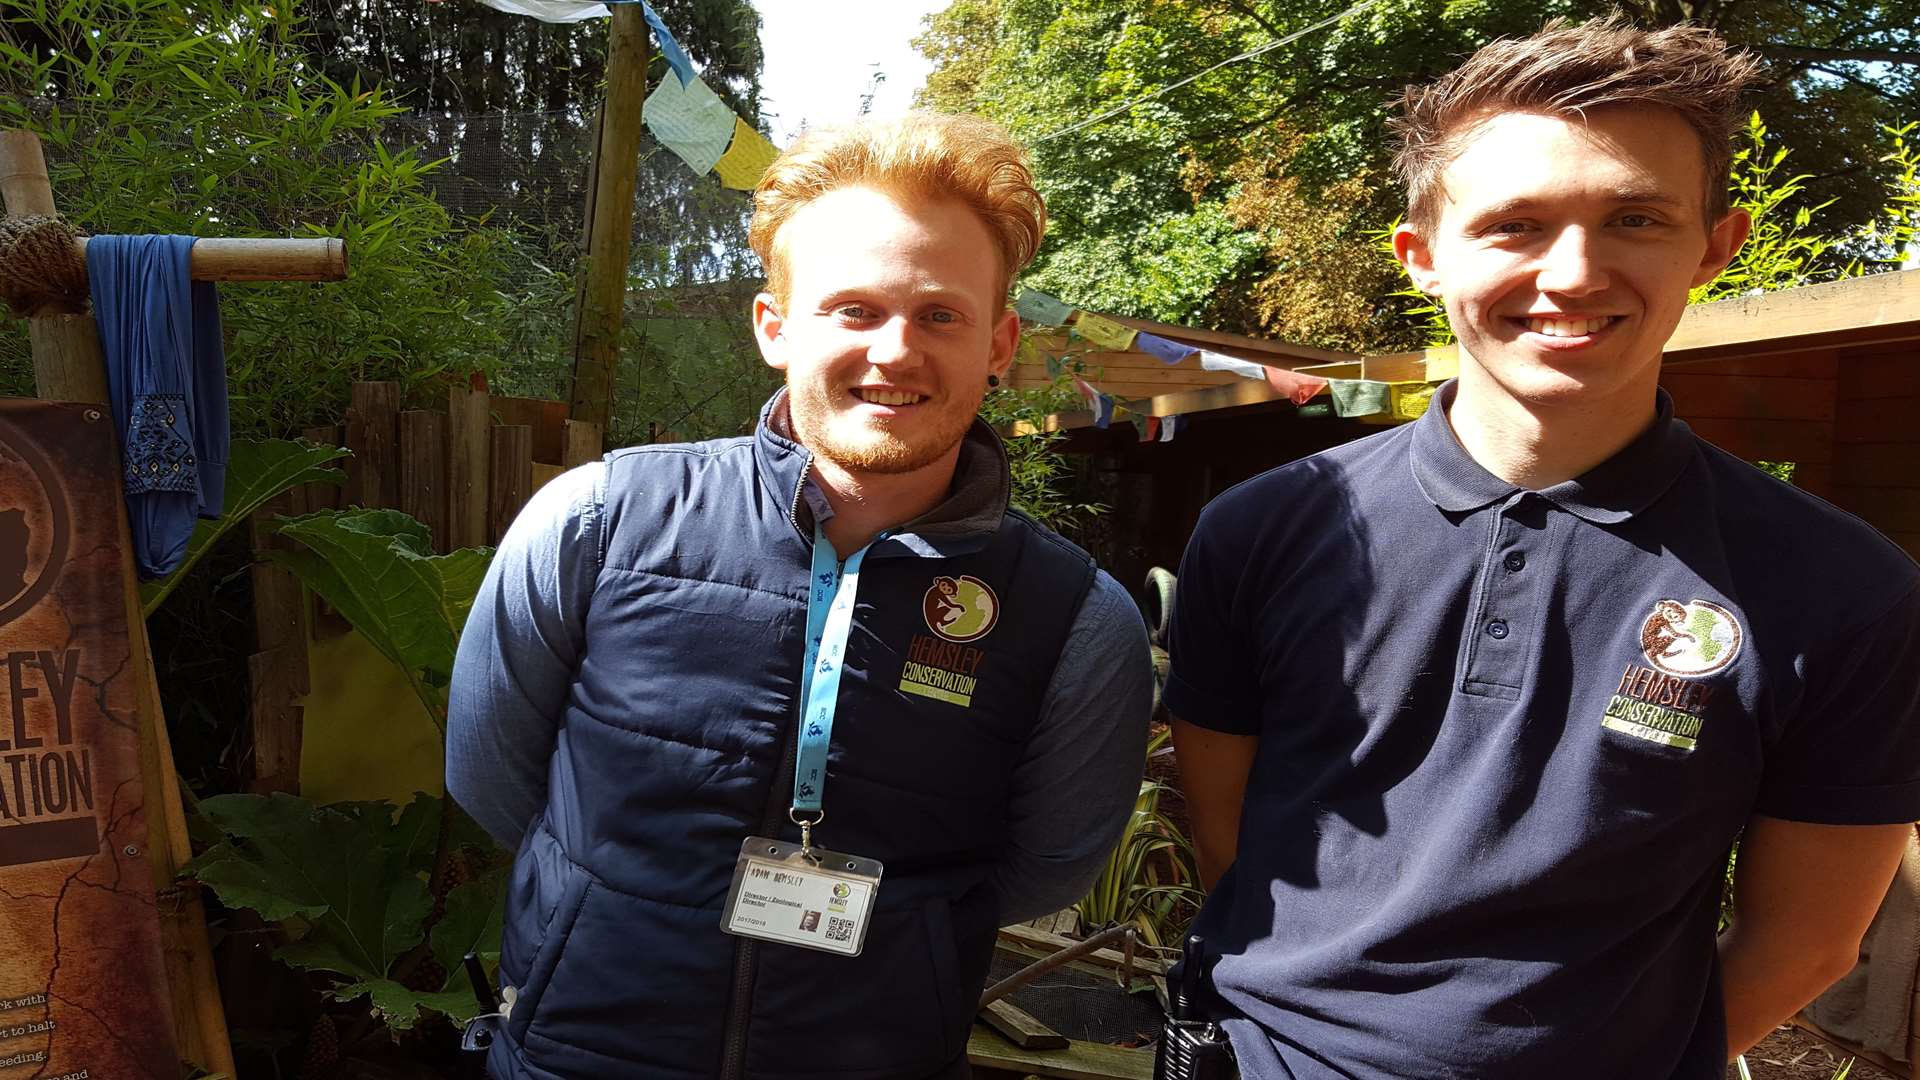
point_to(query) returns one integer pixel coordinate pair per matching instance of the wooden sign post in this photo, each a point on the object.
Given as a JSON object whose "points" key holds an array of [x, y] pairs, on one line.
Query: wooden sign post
{"points": [[69, 367]]}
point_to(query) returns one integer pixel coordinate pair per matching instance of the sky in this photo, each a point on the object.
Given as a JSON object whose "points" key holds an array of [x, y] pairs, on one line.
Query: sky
{"points": [[820, 57]]}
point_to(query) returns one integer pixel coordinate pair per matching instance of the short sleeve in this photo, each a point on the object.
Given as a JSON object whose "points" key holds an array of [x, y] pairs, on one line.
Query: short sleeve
{"points": [[1851, 755], [1211, 680]]}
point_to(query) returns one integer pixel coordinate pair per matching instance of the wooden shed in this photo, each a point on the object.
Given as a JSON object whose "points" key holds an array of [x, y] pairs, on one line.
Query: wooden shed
{"points": [[1825, 377]]}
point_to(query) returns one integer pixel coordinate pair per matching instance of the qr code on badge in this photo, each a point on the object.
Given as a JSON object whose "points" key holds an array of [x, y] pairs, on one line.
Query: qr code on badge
{"points": [[839, 929]]}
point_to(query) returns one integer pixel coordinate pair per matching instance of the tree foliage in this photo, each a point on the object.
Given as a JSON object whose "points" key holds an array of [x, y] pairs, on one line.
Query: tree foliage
{"points": [[1289, 146]]}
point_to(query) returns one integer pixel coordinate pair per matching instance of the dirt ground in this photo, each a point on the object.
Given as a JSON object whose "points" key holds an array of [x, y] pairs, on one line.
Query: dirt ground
{"points": [[1792, 1054]]}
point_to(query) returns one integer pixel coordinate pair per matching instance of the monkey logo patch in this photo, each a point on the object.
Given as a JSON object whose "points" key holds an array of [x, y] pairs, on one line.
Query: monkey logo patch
{"points": [[960, 608], [1691, 639]]}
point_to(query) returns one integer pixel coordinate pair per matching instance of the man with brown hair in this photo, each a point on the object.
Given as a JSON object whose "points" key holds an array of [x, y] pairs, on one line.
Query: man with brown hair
{"points": [[786, 726], [1471, 711]]}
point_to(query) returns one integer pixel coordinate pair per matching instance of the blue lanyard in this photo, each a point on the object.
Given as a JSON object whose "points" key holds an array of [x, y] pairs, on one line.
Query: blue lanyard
{"points": [[830, 597]]}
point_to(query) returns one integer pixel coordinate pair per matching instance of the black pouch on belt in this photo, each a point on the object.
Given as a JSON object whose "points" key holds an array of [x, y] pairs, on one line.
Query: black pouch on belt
{"points": [[1192, 1047]]}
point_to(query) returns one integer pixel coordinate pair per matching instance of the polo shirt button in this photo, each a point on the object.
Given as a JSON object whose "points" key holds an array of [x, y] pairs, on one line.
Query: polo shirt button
{"points": [[1516, 561], [1497, 629]]}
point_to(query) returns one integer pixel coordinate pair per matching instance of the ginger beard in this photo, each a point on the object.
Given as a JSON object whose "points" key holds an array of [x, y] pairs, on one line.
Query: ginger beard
{"points": [[826, 424]]}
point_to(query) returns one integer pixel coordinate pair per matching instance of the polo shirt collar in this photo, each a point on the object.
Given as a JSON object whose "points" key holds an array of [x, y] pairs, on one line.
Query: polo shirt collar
{"points": [[1608, 494]]}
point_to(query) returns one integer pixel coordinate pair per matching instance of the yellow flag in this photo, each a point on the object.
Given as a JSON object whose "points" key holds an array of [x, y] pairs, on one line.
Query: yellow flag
{"points": [[1104, 332], [1410, 400], [746, 160]]}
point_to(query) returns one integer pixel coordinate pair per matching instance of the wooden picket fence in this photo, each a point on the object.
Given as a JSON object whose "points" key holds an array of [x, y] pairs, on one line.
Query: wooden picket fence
{"points": [[464, 472]]}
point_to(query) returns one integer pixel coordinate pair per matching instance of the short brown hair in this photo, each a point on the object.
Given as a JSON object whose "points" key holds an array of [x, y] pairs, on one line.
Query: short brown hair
{"points": [[1568, 69], [920, 155]]}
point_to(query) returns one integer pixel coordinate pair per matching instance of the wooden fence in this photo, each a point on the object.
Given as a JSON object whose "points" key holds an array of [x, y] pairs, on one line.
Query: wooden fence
{"points": [[464, 472]]}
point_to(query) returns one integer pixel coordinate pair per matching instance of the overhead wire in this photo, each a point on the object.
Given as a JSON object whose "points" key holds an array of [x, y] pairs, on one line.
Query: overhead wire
{"points": [[1248, 55]]}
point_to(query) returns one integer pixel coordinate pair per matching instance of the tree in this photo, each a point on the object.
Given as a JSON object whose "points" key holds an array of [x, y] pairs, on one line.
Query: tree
{"points": [[1288, 146]]}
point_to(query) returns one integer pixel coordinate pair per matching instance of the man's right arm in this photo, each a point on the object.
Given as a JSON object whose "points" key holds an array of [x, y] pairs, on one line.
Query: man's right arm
{"points": [[518, 654], [1212, 690], [1213, 777]]}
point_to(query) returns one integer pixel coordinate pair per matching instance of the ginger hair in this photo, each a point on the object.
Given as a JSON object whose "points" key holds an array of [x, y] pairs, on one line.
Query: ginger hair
{"points": [[968, 159], [1567, 69]]}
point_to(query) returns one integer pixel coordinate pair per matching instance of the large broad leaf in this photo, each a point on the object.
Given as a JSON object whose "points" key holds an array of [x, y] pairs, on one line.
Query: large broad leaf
{"points": [[350, 871], [257, 471], [376, 568], [400, 1007], [474, 918]]}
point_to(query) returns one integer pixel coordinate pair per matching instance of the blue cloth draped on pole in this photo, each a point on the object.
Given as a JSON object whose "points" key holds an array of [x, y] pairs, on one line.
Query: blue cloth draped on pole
{"points": [[167, 382]]}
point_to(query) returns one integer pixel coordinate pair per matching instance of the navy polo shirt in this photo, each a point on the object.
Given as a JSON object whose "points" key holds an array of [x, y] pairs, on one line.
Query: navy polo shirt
{"points": [[1507, 737]]}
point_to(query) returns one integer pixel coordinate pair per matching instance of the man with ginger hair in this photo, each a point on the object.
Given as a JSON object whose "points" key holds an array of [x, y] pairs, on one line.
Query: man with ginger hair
{"points": [[684, 654], [1471, 711]]}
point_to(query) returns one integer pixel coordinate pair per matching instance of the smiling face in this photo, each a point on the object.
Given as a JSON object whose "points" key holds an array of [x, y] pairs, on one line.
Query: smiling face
{"points": [[1564, 250], [894, 319]]}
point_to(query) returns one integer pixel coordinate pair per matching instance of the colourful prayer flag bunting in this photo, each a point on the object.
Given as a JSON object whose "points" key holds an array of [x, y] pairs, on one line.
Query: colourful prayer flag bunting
{"points": [[1161, 349], [1169, 425], [1298, 387], [670, 49], [746, 160], [1103, 411], [1317, 409], [1104, 332], [552, 11], [1040, 309], [1360, 397], [690, 120], [1140, 424], [1213, 361], [1410, 400]]}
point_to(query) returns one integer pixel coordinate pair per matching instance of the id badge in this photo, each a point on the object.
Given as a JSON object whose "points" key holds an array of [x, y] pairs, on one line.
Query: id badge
{"points": [[816, 900]]}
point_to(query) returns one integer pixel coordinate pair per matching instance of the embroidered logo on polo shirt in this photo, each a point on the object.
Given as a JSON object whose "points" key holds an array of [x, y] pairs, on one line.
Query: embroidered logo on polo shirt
{"points": [[1692, 639], [1664, 703]]}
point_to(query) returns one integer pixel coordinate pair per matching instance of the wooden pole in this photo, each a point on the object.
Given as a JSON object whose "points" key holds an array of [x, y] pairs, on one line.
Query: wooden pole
{"points": [[68, 365], [616, 164], [321, 258]]}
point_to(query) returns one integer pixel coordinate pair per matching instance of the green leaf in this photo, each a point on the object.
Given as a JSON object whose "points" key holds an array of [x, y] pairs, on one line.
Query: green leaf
{"points": [[257, 471], [401, 1007], [376, 569], [472, 922], [347, 869]]}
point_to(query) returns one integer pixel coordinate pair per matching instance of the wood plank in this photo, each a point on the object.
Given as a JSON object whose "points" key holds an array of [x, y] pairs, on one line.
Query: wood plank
{"points": [[1881, 372], [1138, 388], [469, 445], [324, 496], [1398, 367], [547, 419], [423, 471], [373, 434], [276, 720], [1078, 1061], [510, 477], [584, 442], [1237, 344], [1814, 478], [1882, 419], [1802, 441], [1876, 464], [1045, 942], [1881, 307], [1799, 364], [542, 474], [1018, 1027], [1744, 397]]}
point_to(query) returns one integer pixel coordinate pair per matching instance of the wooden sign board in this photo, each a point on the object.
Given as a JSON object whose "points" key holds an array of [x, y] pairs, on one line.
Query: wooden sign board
{"points": [[83, 989]]}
